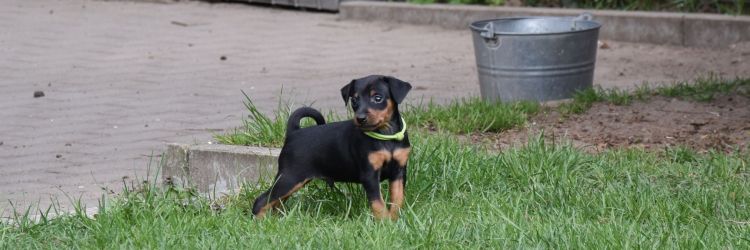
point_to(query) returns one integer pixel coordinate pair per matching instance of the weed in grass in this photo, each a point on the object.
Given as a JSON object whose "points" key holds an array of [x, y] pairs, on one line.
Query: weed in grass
{"points": [[616, 96], [464, 116], [643, 92], [702, 89], [259, 129], [581, 102], [471, 115]]}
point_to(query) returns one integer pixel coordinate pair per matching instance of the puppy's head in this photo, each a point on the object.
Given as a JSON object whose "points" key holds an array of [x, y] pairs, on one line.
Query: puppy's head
{"points": [[374, 99]]}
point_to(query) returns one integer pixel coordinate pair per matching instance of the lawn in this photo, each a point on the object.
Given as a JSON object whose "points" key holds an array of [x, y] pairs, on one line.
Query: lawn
{"points": [[541, 195]]}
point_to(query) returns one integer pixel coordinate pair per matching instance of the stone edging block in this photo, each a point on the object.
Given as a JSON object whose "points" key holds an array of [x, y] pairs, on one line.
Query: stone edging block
{"points": [[215, 168], [703, 30]]}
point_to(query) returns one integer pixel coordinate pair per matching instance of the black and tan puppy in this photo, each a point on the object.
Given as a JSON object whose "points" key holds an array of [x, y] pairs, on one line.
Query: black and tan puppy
{"points": [[368, 149]]}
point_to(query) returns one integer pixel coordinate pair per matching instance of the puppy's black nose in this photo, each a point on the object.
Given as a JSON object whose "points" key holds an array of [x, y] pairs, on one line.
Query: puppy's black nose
{"points": [[361, 119]]}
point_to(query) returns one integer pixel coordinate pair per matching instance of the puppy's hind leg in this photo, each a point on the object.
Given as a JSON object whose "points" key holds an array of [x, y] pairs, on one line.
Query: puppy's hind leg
{"points": [[283, 187]]}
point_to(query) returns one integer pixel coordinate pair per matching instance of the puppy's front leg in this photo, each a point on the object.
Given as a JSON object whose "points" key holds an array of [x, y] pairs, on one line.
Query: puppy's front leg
{"points": [[398, 180], [372, 189], [397, 192]]}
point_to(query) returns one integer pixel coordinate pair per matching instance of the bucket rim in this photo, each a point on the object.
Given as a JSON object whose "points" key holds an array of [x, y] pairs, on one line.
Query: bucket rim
{"points": [[474, 25]]}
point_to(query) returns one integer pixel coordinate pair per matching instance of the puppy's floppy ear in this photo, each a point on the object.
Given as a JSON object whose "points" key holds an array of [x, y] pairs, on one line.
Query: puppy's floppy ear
{"points": [[346, 92], [398, 88]]}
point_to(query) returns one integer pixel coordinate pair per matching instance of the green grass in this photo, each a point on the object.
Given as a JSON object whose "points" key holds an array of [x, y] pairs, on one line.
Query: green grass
{"points": [[464, 116], [583, 100], [474, 115], [538, 196], [702, 89], [258, 129], [470, 115], [458, 196]]}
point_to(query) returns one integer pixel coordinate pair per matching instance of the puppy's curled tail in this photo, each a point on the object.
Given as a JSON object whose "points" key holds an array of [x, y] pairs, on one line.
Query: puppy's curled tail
{"points": [[297, 115]]}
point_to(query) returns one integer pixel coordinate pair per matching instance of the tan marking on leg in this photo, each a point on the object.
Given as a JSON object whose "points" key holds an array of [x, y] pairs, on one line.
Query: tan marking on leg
{"points": [[378, 209], [397, 197], [265, 208], [276, 203], [295, 189], [261, 214], [379, 158], [401, 156]]}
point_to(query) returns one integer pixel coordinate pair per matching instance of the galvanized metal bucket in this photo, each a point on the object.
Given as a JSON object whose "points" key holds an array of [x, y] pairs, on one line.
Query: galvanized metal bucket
{"points": [[535, 58]]}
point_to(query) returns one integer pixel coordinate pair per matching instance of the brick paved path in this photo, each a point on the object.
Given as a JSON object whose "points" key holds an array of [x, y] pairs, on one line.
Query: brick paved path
{"points": [[123, 78]]}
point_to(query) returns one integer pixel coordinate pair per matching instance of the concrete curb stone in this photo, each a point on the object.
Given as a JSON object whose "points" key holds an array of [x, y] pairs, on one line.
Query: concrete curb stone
{"points": [[703, 30], [700, 30], [217, 168]]}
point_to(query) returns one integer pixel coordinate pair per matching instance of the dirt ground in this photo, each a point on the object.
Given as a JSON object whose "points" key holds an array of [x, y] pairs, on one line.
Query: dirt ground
{"points": [[722, 124]]}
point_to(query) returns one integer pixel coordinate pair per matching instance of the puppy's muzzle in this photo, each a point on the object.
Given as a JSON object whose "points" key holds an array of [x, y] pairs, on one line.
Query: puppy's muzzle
{"points": [[362, 120]]}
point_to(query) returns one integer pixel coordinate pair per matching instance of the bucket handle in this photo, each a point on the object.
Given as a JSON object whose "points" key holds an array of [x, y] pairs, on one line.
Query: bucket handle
{"points": [[488, 31], [490, 38], [585, 16]]}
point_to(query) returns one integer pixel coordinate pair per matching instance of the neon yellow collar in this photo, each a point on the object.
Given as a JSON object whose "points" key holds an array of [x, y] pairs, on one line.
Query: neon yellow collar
{"points": [[397, 136]]}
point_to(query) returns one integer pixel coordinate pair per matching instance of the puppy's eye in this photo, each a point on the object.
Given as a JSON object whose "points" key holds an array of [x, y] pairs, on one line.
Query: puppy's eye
{"points": [[354, 103], [377, 98]]}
